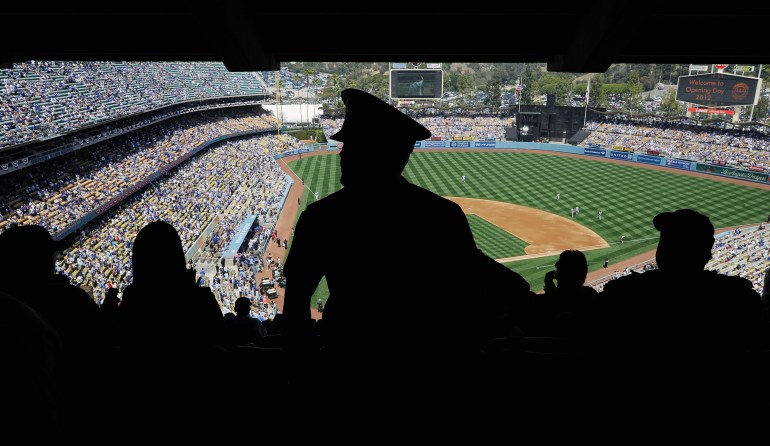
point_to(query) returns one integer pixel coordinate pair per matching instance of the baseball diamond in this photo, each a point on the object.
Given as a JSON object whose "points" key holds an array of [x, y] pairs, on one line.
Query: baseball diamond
{"points": [[629, 196]]}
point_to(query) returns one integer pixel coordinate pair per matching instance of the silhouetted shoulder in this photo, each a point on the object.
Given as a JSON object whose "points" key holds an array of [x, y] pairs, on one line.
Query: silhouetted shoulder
{"points": [[735, 282], [426, 194], [422, 194], [733, 287], [336, 202], [631, 281], [705, 281]]}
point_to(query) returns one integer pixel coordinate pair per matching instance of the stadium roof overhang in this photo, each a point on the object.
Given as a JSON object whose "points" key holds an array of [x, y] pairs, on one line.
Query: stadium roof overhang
{"points": [[256, 36]]}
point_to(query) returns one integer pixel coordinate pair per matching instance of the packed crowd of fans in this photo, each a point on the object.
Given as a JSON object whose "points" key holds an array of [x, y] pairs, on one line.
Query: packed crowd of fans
{"points": [[744, 253], [57, 193], [43, 99], [233, 177], [744, 149], [448, 127], [476, 128]]}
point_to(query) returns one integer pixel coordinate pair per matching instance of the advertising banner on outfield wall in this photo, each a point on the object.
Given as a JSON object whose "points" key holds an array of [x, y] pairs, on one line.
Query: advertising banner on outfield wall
{"points": [[485, 144], [678, 164], [418, 144], [734, 173], [621, 155], [461, 144], [434, 144], [595, 152], [649, 159]]}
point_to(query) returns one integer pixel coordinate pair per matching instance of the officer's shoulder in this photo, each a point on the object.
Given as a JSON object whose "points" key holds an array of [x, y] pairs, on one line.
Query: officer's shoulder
{"points": [[433, 198], [327, 202]]}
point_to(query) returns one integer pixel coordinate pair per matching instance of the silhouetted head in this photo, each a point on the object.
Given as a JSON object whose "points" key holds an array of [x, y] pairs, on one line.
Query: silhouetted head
{"points": [[27, 254], [242, 306], [377, 139], [686, 239], [571, 269], [158, 256]]}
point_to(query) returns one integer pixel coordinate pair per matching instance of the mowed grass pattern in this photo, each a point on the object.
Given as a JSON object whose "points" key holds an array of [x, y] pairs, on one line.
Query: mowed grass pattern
{"points": [[629, 196], [494, 241]]}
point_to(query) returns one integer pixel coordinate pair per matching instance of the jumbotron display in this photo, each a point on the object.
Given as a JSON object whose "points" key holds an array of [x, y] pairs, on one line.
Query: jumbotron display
{"points": [[718, 89], [416, 84]]}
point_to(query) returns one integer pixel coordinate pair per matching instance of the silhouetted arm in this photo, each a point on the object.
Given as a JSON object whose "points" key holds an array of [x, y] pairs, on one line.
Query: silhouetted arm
{"points": [[548, 285]]}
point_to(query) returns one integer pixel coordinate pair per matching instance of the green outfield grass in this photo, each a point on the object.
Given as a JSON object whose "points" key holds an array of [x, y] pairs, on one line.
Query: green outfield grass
{"points": [[629, 196]]}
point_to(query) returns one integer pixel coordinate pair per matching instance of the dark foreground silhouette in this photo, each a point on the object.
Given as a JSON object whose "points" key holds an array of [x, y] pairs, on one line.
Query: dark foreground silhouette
{"points": [[388, 308]]}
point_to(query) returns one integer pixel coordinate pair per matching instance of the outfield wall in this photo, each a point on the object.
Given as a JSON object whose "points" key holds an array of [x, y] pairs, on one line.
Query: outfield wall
{"points": [[632, 157]]}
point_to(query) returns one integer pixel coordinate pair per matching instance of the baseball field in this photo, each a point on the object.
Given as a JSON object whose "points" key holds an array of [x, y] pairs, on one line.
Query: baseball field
{"points": [[517, 219]]}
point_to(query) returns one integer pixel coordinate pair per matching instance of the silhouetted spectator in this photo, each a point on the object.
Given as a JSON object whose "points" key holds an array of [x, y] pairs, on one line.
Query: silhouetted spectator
{"points": [[565, 304], [168, 327], [420, 319], [111, 301], [680, 310], [161, 280], [242, 329], [109, 315], [27, 273]]}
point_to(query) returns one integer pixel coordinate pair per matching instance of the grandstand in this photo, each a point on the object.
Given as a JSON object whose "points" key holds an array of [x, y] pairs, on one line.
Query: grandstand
{"points": [[744, 252], [744, 149], [58, 194], [449, 128], [189, 198], [48, 99], [69, 183]]}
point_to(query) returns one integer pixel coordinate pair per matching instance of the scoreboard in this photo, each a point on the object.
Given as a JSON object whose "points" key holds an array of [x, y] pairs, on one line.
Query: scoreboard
{"points": [[718, 89]]}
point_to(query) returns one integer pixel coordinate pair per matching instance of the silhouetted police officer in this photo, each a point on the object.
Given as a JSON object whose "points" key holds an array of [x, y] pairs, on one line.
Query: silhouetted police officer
{"points": [[440, 298]]}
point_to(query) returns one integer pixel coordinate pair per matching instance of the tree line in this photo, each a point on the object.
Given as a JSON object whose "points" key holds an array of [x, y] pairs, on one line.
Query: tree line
{"points": [[474, 85]]}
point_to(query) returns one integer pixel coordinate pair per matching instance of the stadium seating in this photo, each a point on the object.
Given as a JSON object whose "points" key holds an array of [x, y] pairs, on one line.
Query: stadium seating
{"points": [[44, 99], [742, 149]]}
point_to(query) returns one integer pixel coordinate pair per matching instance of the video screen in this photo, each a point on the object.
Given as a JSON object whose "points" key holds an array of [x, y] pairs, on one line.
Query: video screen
{"points": [[717, 89], [416, 84]]}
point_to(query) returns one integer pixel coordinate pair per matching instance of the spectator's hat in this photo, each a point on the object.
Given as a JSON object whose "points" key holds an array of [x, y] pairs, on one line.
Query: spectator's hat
{"points": [[368, 116], [684, 224]]}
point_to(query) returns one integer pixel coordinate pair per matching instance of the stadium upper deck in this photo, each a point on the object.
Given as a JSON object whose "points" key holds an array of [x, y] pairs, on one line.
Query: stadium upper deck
{"points": [[44, 99]]}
